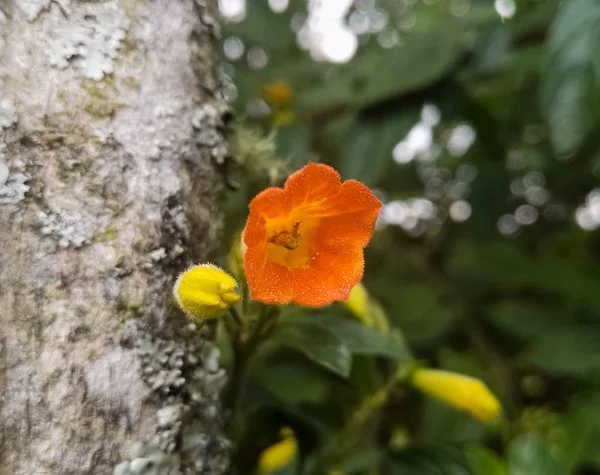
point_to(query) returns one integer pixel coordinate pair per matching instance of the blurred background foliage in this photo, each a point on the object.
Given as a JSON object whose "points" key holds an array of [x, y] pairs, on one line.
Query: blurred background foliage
{"points": [[477, 123]]}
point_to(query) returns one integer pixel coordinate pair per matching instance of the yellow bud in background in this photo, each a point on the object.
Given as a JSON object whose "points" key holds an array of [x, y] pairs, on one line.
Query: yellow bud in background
{"points": [[463, 392], [279, 93], [283, 117], [236, 257], [205, 291], [280, 454], [366, 309]]}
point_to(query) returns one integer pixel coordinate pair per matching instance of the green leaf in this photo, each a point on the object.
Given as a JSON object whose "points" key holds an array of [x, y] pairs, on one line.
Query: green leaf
{"points": [[572, 350], [291, 380], [482, 461], [263, 27], [362, 340], [367, 154], [418, 309], [418, 64], [293, 145], [570, 92], [319, 344], [508, 268], [434, 460], [531, 454], [525, 320], [360, 460], [377, 75]]}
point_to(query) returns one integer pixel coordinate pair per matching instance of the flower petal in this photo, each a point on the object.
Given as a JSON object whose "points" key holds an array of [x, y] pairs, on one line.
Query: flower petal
{"points": [[347, 218], [332, 274], [269, 282], [269, 203], [314, 182]]}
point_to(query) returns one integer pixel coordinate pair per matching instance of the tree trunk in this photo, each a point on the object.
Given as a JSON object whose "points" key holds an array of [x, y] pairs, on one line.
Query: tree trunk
{"points": [[110, 123]]}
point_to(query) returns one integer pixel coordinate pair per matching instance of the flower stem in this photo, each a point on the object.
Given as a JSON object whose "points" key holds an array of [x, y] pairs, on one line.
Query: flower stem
{"points": [[346, 438], [244, 347]]}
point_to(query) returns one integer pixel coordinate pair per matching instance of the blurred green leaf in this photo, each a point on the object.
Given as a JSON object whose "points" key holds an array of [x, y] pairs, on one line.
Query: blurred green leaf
{"points": [[362, 340], [570, 92], [573, 350], [263, 27], [432, 460], [293, 145], [290, 380], [360, 460], [419, 310], [482, 461], [318, 343], [530, 454], [379, 74], [505, 266], [418, 64], [524, 319], [367, 154]]}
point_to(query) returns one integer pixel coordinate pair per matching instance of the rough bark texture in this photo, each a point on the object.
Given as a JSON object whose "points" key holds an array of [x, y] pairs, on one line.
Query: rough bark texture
{"points": [[110, 124]]}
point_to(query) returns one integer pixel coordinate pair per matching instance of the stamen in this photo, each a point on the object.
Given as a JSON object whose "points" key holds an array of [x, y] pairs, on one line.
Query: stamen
{"points": [[288, 239]]}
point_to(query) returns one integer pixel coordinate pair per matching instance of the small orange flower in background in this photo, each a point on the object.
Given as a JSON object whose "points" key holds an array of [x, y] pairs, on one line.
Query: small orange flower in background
{"points": [[304, 243]]}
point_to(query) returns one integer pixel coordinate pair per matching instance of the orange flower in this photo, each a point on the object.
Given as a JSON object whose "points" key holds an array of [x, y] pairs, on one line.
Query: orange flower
{"points": [[304, 243]]}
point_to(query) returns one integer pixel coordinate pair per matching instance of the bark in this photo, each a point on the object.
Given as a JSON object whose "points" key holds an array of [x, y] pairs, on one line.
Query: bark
{"points": [[110, 125]]}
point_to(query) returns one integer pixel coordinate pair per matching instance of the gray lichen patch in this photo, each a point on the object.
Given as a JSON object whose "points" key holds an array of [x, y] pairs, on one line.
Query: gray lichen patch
{"points": [[69, 228], [15, 186], [110, 385], [148, 459], [186, 377], [91, 40], [32, 8], [13, 182], [8, 113], [210, 122]]}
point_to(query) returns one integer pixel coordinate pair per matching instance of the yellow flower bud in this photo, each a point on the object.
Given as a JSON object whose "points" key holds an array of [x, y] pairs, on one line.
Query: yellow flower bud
{"points": [[279, 93], [463, 392], [283, 117], [236, 257], [366, 309], [280, 454], [205, 291]]}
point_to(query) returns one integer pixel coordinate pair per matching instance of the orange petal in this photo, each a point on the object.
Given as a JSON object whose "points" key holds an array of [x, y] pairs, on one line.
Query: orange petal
{"points": [[268, 282], [347, 218], [314, 182], [331, 276], [269, 203]]}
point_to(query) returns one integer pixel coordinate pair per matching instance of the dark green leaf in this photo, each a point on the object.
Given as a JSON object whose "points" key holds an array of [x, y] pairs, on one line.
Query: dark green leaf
{"points": [[573, 350], [317, 343], [427, 461], [378, 75], [482, 461], [418, 64], [360, 339], [525, 319], [570, 92], [367, 154], [293, 145], [263, 27], [419, 311], [291, 380], [530, 454]]}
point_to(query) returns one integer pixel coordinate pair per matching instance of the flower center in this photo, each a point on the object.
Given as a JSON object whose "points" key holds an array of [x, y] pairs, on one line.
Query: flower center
{"points": [[289, 240]]}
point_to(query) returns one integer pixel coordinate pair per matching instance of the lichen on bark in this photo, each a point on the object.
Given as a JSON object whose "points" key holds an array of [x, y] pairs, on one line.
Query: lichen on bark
{"points": [[111, 207]]}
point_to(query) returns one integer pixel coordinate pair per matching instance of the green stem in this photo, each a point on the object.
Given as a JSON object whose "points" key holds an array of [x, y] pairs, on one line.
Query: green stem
{"points": [[243, 351], [344, 440]]}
